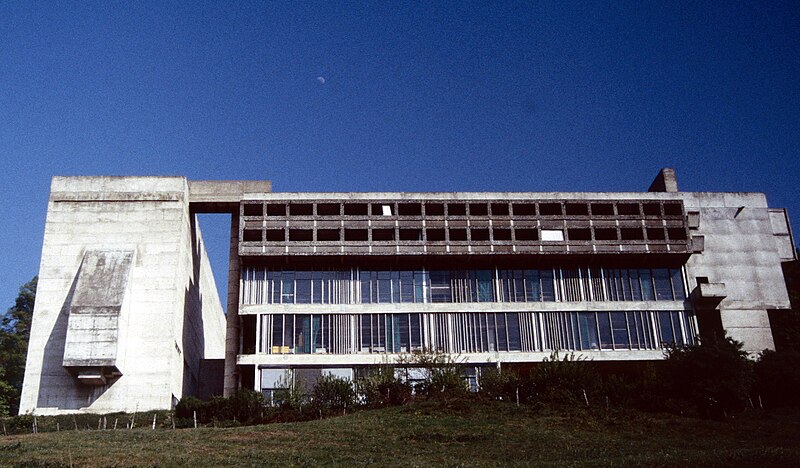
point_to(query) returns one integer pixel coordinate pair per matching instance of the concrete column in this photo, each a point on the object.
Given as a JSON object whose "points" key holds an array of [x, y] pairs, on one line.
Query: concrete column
{"points": [[232, 318]]}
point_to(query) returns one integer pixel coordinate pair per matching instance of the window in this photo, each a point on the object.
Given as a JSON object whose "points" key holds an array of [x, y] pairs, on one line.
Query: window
{"points": [[551, 235], [328, 209]]}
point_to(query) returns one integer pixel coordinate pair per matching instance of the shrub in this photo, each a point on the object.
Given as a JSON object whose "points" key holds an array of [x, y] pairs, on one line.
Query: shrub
{"points": [[714, 376], [441, 375], [777, 378], [382, 387], [506, 385], [332, 393], [566, 380]]}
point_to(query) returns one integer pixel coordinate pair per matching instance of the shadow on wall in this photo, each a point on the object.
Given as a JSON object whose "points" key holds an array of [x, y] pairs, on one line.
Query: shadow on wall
{"points": [[193, 337], [57, 387]]}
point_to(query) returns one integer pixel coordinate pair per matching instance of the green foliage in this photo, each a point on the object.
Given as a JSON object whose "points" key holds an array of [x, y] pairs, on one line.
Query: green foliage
{"points": [[441, 375], [15, 329], [333, 393], [505, 385], [777, 378], [715, 375], [244, 406], [382, 387], [290, 396], [567, 380]]}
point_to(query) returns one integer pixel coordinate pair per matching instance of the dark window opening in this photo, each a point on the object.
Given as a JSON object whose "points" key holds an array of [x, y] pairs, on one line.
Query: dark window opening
{"points": [[434, 209], [254, 210], [702, 280], [524, 209], [435, 235], [526, 234], [409, 209], [248, 334], [383, 234], [301, 235], [411, 234], [327, 235], [577, 209], [502, 234], [355, 209], [456, 209], [301, 209], [652, 209], [458, 234], [252, 235], [582, 234], [479, 234], [605, 234], [602, 209], [550, 209], [676, 233], [673, 209], [276, 210], [632, 234], [276, 235], [328, 209], [499, 209], [655, 234], [628, 209], [356, 234], [478, 209]]}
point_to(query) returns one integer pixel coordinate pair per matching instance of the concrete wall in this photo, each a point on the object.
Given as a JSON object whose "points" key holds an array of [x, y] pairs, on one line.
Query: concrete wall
{"points": [[742, 251], [169, 291]]}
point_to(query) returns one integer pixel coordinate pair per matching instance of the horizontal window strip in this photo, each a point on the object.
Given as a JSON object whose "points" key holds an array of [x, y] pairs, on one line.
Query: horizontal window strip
{"points": [[265, 286], [469, 332]]}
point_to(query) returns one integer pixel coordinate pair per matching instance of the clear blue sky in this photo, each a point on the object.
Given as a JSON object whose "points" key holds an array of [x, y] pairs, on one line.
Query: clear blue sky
{"points": [[529, 96]]}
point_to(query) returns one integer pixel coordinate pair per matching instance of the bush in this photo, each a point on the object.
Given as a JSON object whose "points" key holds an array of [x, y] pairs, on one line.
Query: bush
{"points": [[714, 376], [441, 375], [382, 387], [567, 380], [244, 406], [506, 385], [777, 378], [332, 393]]}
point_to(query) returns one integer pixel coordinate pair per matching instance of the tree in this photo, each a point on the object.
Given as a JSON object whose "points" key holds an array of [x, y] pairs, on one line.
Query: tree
{"points": [[714, 375], [15, 330]]}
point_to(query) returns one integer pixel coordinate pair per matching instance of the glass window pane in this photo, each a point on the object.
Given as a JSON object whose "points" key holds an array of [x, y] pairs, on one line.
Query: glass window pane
{"points": [[588, 329], [365, 287], [663, 286], [514, 343], [665, 327], [677, 284], [485, 289], [287, 284], [619, 328], [533, 290], [604, 324], [302, 334], [406, 286], [277, 332], [648, 293], [548, 285], [440, 286], [384, 287], [303, 287], [636, 286]]}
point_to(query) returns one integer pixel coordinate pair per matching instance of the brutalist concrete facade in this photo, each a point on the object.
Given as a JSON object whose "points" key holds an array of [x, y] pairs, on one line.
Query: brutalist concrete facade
{"points": [[335, 283]]}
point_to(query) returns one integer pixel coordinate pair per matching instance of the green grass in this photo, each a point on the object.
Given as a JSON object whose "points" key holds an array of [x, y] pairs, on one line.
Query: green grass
{"points": [[428, 434]]}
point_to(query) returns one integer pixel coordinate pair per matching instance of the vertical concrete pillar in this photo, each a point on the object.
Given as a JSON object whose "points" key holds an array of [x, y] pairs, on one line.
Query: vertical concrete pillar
{"points": [[232, 318]]}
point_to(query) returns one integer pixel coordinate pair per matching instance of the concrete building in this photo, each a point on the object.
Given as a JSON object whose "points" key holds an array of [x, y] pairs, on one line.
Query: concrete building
{"points": [[127, 315]]}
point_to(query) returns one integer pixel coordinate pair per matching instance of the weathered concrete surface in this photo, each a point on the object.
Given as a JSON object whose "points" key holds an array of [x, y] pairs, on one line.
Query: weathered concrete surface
{"points": [[171, 313], [93, 331]]}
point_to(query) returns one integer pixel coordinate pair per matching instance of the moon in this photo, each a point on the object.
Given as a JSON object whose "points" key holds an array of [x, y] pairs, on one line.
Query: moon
{"points": [[321, 79]]}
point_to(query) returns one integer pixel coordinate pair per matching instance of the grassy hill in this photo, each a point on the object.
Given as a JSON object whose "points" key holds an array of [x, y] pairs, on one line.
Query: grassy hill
{"points": [[430, 434]]}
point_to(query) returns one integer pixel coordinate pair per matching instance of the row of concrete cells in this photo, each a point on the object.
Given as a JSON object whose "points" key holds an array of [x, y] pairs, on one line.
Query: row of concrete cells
{"points": [[596, 233], [307, 209]]}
